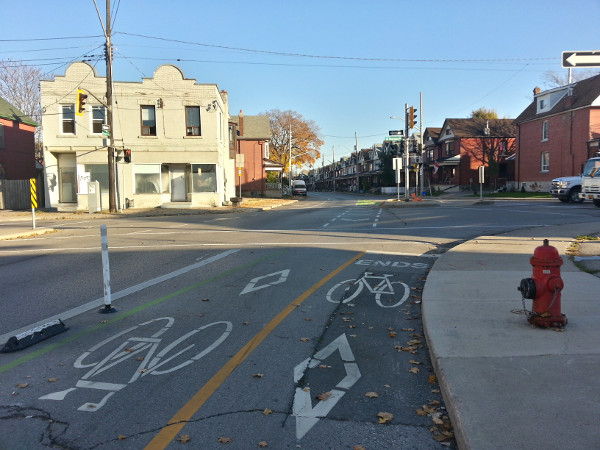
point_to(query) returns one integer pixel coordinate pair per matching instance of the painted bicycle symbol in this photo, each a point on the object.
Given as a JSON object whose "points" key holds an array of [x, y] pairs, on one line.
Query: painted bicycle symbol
{"points": [[140, 348], [379, 285]]}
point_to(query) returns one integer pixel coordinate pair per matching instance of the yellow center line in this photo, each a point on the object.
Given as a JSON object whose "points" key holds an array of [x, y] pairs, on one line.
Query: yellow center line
{"points": [[179, 420]]}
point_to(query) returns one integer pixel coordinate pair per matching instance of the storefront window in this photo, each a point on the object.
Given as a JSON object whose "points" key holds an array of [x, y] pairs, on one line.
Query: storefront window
{"points": [[147, 179], [98, 172], [204, 178]]}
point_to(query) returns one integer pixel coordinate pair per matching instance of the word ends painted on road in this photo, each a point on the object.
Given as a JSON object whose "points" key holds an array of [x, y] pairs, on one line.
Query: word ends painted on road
{"points": [[398, 264]]}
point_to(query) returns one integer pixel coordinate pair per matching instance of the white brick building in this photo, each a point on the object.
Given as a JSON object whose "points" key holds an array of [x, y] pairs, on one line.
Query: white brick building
{"points": [[176, 129]]}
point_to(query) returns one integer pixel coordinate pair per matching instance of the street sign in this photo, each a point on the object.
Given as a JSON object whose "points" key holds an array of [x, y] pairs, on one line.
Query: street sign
{"points": [[581, 59], [396, 132], [394, 138]]}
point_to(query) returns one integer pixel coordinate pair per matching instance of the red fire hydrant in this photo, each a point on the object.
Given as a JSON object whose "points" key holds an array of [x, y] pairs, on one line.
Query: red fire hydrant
{"points": [[544, 288]]}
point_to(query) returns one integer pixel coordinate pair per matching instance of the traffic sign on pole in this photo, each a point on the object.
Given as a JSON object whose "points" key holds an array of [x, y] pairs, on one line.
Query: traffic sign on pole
{"points": [[572, 59]]}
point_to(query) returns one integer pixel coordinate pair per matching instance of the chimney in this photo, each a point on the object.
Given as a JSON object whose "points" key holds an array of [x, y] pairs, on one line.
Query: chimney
{"points": [[536, 90], [241, 124]]}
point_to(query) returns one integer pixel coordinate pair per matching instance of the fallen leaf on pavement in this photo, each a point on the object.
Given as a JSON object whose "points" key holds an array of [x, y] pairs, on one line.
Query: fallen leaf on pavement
{"points": [[324, 396], [412, 361], [206, 299], [267, 411], [258, 375], [52, 380], [183, 438], [359, 447], [432, 379], [22, 385], [414, 370], [224, 440], [263, 444], [304, 339], [392, 334], [372, 394], [384, 417]]}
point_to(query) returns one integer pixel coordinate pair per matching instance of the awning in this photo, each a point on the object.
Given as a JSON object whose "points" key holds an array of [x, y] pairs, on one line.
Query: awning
{"points": [[451, 161]]}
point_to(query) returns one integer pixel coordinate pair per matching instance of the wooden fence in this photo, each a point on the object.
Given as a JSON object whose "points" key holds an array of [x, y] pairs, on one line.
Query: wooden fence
{"points": [[16, 194]]}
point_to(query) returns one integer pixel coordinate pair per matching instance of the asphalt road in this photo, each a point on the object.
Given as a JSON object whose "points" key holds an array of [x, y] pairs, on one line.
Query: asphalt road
{"points": [[296, 327]]}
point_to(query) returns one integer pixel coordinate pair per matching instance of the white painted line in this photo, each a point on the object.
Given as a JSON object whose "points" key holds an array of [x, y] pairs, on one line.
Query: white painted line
{"points": [[116, 295]]}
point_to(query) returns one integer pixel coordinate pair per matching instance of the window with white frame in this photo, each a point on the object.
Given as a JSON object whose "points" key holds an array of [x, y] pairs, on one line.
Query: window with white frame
{"points": [[147, 178], [148, 120], [192, 121], [267, 150], [67, 117], [545, 166], [545, 130], [98, 119]]}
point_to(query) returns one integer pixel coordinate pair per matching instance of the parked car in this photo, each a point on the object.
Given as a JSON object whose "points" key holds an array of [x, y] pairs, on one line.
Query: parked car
{"points": [[567, 189], [298, 187]]}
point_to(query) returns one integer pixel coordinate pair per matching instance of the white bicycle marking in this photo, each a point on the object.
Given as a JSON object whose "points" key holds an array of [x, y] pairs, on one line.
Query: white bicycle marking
{"points": [[383, 286], [130, 348]]}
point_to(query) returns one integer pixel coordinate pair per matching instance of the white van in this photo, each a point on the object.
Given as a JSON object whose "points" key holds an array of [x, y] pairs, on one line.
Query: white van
{"points": [[298, 187]]}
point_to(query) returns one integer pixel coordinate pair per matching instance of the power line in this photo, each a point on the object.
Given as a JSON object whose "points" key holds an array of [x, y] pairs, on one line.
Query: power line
{"points": [[349, 58]]}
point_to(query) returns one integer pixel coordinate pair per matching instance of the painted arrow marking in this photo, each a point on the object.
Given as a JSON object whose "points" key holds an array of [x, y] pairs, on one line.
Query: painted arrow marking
{"points": [[254, 286], [307, 415]]}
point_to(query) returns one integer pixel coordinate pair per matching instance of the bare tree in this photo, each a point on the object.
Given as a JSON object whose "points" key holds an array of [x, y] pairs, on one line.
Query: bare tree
{"points": [[554, 79], [20, 86]]}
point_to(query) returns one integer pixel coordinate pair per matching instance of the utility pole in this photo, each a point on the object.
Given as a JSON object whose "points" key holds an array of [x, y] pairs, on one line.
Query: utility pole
{"points": [[406, 153], [333, 162], [112, 179], [357, 176], [421, 171]]}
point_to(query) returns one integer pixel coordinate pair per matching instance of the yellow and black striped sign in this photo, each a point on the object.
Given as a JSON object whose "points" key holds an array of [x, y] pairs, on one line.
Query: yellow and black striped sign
{"points": [[34, 202]]}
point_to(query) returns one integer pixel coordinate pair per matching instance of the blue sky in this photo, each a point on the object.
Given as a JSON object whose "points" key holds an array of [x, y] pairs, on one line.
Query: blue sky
{"points": [[363, 60]]}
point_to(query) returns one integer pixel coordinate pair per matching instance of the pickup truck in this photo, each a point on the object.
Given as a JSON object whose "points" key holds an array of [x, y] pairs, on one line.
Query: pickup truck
{"points": [[567, 189], [590, 181]]}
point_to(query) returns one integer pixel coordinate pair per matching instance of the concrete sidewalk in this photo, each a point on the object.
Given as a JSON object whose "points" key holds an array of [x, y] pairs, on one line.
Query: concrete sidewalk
{"points": [[507, 385]]}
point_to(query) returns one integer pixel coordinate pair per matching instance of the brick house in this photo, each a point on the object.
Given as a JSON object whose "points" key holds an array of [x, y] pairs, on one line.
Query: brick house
{"points": [[175, 128], [465, 144], [252, 135], [557, 133], [17, 143]]}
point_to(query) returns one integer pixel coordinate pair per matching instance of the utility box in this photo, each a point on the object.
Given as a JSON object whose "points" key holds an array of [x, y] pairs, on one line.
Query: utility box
{"points": [[94, 197]]}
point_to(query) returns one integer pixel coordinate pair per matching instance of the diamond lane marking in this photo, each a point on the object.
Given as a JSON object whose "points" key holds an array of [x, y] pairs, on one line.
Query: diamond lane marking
{"points": [[252, 285]]}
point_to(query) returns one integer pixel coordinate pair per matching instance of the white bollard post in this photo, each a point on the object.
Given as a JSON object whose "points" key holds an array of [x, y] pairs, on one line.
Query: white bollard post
{"points": [[107, 308]]}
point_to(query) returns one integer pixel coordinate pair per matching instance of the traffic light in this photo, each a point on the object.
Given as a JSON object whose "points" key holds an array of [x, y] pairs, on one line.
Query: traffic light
{"points": [[412, 117], [81, 97], [127, 155]]}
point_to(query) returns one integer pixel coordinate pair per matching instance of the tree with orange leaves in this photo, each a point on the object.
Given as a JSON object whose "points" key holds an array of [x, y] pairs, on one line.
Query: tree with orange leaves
{"points": [[304, 136]]}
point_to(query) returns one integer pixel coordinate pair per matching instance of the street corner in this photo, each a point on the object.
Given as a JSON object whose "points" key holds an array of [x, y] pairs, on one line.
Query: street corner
{"points": [[586, 254]]}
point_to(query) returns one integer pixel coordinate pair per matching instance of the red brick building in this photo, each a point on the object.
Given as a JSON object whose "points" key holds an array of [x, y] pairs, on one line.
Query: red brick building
{"points": [[17, 143], [455, 152], [557, 133], [251, 136]]}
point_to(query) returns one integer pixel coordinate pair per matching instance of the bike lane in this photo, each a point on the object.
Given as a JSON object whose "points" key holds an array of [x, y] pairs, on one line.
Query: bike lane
{"points": [[120, 382]]}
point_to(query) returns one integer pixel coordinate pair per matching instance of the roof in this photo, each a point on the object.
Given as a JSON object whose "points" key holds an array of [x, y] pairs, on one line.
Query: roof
{"points": [[475, 128], [433, 133], [585, 92], [255, 127], [8, 111]]}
